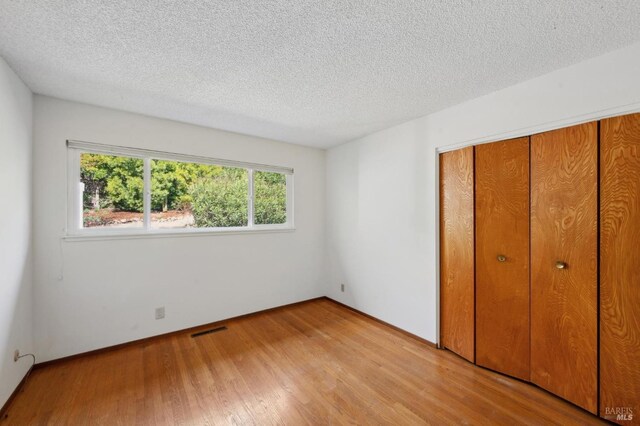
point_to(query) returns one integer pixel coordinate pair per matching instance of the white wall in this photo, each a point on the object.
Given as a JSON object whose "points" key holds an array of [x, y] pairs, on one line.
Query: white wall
{"points": [[382, 189], [15, 229], [92, 294]]}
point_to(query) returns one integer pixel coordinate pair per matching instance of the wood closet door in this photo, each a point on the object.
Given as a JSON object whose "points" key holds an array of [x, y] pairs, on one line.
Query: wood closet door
{"points": [[564, 317], [620, 266], [456, 252], [502, 256]]}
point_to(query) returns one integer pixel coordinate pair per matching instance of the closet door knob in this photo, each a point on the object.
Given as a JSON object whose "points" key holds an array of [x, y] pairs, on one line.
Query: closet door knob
{"points": [[502, 258], [561, 265]]}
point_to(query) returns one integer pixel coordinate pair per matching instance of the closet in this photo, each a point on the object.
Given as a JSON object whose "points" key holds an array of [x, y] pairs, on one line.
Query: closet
{"points": [[540, 265], [620, 267], [457, 304], [502, 256], [564, 257]]}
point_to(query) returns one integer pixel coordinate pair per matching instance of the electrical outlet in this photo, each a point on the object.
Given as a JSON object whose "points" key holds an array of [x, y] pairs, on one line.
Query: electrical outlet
{"points": [[16, 355], [342, 288], [160, 312]]}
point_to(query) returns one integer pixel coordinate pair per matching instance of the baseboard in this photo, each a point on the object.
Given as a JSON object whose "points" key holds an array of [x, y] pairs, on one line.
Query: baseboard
{"points": [[5, 408], [405, 332], [149, 339]]}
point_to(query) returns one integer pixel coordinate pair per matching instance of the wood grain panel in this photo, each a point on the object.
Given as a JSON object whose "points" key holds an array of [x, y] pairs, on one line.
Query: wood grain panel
{"points": [[502, 229], [457, 252], [620, 268], [315, 363], [564, 207]]}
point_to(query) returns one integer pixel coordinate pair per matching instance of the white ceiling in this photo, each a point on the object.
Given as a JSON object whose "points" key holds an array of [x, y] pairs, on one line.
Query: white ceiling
{"points": [[311, 72]]}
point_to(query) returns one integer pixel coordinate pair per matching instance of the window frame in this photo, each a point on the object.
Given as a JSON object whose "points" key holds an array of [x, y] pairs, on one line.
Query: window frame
{"points": [[76, 230]]}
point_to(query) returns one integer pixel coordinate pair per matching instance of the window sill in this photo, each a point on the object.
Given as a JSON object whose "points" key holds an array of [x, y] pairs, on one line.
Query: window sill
{"points": [[101, 236]]}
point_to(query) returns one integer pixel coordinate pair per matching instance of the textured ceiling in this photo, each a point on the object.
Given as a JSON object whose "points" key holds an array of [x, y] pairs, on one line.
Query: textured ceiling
{"points": [[304, 71]]}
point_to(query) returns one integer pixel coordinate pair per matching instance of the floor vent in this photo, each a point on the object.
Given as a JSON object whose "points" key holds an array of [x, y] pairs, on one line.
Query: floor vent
{"points": [[211, 330]]}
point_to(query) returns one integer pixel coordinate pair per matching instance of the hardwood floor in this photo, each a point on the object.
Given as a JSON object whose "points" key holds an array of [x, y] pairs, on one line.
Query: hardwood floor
{"points": [[312, 363]]}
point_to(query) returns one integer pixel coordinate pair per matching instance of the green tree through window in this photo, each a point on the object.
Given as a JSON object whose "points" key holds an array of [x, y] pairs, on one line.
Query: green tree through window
{"points": [[189, 194]]}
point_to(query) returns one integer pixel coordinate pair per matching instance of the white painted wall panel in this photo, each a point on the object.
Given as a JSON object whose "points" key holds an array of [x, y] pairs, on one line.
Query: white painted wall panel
{"points": [[16, 326]]}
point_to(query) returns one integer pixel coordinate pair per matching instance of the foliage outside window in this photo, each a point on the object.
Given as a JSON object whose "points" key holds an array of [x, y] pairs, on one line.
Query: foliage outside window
{"points": [[270, 204], [113, 190], [180, 194]]}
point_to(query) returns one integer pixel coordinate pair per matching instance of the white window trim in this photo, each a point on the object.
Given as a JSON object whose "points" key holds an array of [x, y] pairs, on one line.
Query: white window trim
{"points": [[76, 232]]}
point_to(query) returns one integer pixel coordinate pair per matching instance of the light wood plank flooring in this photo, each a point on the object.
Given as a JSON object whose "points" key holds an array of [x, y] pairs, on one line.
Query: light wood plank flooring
{"points": [[312, 363]]}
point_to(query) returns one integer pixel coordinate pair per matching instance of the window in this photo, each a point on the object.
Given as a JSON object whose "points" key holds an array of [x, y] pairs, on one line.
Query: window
{"points": [[114, 190], [270, 198], [191, 195]]}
